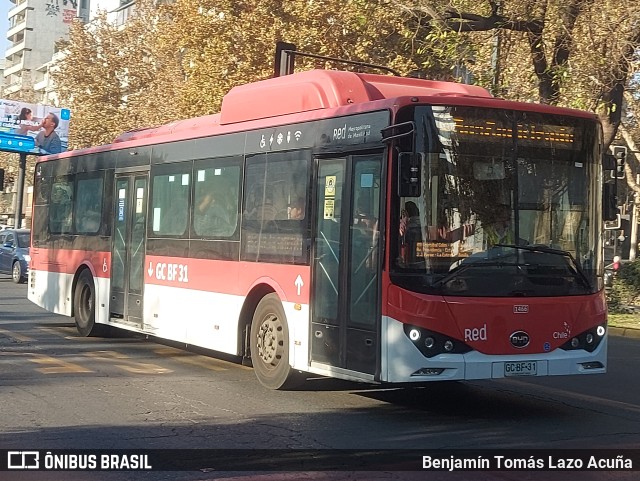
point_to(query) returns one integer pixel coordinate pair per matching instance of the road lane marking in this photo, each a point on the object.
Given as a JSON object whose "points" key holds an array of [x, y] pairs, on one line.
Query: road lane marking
{"points": [[125, 363], [57, 366], [143, 368], [206, 362], [55, 332], [16, 335], [188, 358]]}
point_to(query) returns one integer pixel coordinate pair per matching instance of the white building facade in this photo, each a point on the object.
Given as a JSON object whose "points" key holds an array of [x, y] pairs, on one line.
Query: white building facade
{"points": [[34, 28]]}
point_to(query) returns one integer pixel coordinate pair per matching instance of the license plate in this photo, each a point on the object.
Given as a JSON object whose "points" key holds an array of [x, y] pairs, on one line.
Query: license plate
{"points": [[521, 368]]}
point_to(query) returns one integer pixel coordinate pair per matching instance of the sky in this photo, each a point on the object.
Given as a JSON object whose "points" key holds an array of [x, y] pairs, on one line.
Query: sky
{"points": [[5, 5]]}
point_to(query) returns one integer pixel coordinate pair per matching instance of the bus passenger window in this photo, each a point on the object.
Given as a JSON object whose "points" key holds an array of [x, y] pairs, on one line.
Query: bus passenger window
{"points": [[88, 206], [61, 207], [170, 202], [215, 212]]}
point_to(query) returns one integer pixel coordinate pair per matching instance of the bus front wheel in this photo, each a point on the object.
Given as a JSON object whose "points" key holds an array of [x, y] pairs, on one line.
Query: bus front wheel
{"points": [[270, 344], [84, 304]]}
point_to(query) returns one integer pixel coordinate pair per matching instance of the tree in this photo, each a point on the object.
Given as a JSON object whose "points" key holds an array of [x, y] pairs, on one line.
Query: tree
{"points": [[115, 79], [179, 59], [580, 51]]}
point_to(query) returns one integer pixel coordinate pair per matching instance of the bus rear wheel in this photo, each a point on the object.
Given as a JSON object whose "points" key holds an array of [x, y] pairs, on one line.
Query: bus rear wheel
{"points": [[270, 344], [84, 308]]}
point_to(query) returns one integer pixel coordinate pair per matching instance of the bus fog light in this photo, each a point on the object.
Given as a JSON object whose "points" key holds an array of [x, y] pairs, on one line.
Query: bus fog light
{"points": [[589, 338], [428, 371], [575, 342], [600, 331], [448, 346], [592, 365], [414, 334], [429, 342]]}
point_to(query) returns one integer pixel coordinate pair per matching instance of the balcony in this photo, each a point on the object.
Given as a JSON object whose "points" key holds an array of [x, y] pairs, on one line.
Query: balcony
{"points": [[12, 88], [18, 47], [15, 67], [21, 6], [19, 27]]}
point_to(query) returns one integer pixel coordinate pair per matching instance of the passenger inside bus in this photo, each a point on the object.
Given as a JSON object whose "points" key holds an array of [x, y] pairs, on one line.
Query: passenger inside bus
{"points": [[213, 216], [499, 228], [296, 209], [411, 235]]}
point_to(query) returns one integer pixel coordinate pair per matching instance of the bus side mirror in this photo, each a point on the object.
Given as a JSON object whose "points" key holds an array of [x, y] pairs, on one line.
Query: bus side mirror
{"points": [[610, 202], [409, 174]]}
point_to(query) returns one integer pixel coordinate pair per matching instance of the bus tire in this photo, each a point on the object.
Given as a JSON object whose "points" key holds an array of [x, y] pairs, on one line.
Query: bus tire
{"points": [[84, 305], [269, 344]]}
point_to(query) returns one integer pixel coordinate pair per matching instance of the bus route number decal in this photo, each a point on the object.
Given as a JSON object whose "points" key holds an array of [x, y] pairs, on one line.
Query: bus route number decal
{"points": [[164, 271]]}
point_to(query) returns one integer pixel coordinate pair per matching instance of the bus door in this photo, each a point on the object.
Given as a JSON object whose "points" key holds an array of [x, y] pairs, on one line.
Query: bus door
{"points": [[128, 247], [346, 273]]}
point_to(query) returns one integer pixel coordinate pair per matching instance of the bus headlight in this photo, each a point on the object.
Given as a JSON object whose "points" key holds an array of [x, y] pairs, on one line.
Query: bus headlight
{"points": [[431, 343], [414, 334], [587, 340]]}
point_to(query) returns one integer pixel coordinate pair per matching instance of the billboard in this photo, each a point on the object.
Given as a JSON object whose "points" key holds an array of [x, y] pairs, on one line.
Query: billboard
{"points": [[33, 128]]}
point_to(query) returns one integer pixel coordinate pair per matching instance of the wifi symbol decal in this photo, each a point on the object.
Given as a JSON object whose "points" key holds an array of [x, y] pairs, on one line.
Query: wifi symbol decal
{"points": [[297, 134]]}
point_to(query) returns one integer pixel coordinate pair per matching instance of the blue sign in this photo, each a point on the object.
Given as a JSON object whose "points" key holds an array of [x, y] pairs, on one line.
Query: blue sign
{"points": [[120, 210], [16, 143], [24, 125]]}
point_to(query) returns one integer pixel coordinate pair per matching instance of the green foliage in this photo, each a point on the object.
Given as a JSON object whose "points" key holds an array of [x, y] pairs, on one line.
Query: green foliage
{"points": [[626, 287]]}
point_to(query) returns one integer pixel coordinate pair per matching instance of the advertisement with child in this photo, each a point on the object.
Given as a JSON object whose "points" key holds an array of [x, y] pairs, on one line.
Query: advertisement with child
{"points": [[33, 128]]}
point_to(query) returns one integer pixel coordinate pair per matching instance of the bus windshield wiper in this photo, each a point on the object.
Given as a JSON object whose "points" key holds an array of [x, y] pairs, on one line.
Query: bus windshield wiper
{"points": [[468, 265], [550, 250]]}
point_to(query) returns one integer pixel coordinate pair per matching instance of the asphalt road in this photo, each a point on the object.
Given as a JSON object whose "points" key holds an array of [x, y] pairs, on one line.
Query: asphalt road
{"points": [[61, 391]]}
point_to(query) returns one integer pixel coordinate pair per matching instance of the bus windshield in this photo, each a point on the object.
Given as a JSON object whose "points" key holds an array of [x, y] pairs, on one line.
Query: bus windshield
{"points": [[509, 205]]}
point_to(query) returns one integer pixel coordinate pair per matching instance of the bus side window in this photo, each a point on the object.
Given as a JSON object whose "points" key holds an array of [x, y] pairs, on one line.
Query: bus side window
{"points": [[215, 201], [170, 201], [88, 208], [275, 226], [60, 209]]}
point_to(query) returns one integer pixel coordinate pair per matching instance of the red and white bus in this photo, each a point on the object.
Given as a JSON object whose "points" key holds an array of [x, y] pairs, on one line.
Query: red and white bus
{"points": [[364, 227]]}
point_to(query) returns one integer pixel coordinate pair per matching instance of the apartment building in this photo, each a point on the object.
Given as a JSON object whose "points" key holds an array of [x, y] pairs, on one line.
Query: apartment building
{"points": [[34, 28], [87, 10]]}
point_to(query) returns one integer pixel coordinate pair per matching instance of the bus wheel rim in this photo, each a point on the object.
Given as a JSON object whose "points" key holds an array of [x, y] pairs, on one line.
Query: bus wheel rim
{"points": [[270, 340]]}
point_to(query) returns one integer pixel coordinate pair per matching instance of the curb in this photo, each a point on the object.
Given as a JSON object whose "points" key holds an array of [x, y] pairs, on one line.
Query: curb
{"points": [[625, 332]]}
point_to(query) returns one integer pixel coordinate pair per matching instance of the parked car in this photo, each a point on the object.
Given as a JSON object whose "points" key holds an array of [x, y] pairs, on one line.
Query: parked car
{"points": [[14, 253]]}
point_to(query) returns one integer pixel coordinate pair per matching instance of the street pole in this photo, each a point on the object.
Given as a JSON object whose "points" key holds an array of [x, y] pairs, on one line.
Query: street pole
{"points": [[495, 56], [21, 173], [633, 218]]}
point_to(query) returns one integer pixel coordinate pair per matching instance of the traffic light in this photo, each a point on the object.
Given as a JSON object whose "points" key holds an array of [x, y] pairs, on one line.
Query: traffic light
{"points": [[620, 154]]}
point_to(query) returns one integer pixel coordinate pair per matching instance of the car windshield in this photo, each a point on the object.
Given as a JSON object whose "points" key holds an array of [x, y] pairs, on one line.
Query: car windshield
{"points": [[508, 205]]}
